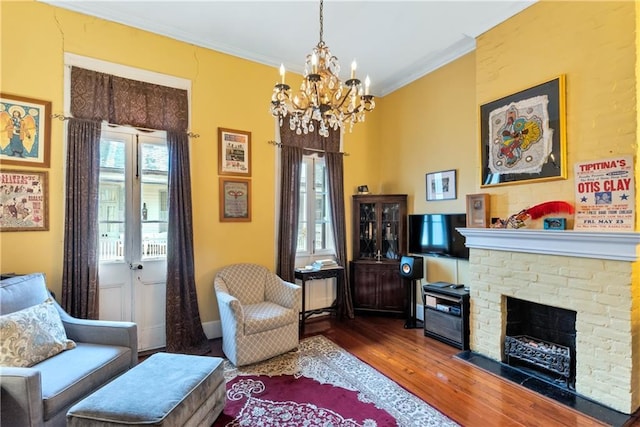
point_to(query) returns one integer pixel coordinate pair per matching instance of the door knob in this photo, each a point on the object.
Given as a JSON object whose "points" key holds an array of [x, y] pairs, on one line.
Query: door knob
{"points": [[135, 266]]}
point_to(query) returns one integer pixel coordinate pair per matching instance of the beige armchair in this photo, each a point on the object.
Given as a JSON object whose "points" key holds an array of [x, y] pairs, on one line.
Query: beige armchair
{"points": [[259, 313]]}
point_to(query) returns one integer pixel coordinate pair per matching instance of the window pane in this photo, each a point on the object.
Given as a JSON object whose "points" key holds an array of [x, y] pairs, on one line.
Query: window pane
{"points": [[111, 211], [153, 192]]}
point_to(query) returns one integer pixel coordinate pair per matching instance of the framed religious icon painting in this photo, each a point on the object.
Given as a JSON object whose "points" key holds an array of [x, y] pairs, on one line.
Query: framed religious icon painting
{"points": [[234, 152], [523, 136], [25, 131], [235, 200], [24, 203], [478, 210]]}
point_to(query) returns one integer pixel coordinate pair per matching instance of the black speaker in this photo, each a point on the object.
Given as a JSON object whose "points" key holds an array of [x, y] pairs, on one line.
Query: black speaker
{"points": [[411, 267]]}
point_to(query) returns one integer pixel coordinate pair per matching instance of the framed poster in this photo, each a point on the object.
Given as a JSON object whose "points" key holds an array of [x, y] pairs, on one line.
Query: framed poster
{"points": [[235, 200], [25, 131], [523, 136], [24, 202], [441, 185], [234, 152], [478, 210]]}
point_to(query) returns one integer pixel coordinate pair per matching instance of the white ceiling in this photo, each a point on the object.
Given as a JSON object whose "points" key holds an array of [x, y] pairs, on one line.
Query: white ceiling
{"points": [[394, 42]]}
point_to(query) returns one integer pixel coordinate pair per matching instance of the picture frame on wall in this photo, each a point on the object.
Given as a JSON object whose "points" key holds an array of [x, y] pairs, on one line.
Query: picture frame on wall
{"points": [[441, 185], [234, 152], [24, 200], [478, 210], [523, 136], [235, 200], [25, 131]]}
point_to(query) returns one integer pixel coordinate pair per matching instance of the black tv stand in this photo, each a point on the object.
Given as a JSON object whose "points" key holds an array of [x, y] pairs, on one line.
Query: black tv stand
{"points": [[446, 313], [412, 321]]}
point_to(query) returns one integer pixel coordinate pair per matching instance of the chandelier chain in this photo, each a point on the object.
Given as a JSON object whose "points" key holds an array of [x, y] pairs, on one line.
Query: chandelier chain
{"points": [[321, 20]]}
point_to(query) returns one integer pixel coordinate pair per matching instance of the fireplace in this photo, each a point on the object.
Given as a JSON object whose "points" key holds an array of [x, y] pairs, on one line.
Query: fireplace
{"points": [[594, 275], [541, 339]]}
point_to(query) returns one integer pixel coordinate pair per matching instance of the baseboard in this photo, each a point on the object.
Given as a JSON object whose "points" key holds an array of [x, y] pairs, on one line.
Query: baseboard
{"points": [[212, 329]]}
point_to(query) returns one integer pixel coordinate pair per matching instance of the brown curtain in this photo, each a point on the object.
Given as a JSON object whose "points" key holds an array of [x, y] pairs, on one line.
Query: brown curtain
{"points": [[335, 170], [184, 328], [98, 96], [80, 264], [290, 161], [292, 149]]}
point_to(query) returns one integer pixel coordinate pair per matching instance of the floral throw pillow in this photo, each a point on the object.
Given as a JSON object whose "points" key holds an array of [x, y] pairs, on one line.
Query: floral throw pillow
{"points": [[32, 335]]}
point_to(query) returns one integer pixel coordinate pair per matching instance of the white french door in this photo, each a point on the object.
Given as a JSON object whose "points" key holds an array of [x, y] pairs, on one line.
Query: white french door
{"points": [[133, 220]]}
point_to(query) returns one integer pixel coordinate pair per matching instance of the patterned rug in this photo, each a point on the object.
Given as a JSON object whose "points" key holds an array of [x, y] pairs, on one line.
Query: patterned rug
{"points": [[320, 384]]}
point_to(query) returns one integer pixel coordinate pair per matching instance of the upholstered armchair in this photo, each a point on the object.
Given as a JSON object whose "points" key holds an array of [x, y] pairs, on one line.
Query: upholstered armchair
{"points": [[259, 313]]}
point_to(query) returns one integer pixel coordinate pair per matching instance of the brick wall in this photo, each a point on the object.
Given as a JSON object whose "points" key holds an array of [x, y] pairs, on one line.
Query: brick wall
{"points": [[600, 291]]}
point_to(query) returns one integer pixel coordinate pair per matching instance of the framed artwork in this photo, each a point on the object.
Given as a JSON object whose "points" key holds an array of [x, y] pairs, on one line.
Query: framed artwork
{"points": [[234, 152], [523, 136], [235, 200], [478, 210], [24, 200], [441, 185], [25, 131]]}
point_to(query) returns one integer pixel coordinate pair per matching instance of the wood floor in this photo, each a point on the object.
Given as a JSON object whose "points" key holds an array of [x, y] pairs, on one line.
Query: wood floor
{"points": [[428, 369]]}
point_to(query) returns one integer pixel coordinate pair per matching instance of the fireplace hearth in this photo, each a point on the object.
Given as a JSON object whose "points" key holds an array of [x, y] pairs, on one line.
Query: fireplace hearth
{"points": [[541, 338], [589, 273]]}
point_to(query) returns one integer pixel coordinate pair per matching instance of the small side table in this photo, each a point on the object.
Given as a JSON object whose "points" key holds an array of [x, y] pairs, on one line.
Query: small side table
{"points": [[310, 275]]}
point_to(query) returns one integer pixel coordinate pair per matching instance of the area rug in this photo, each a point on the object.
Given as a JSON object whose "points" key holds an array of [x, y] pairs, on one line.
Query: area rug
{"points": [[320, 384]]}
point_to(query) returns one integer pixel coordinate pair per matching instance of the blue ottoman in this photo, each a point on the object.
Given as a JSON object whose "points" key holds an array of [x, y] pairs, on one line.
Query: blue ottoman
{"points": [[164, 390]]}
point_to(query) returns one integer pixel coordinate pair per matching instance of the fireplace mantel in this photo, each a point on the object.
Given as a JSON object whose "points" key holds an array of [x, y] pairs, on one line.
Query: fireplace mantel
{"points": [[600, 245]]}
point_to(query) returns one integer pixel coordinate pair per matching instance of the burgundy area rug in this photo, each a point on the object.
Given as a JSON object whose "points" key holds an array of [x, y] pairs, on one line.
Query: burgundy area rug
{"points": [[320, 384]]}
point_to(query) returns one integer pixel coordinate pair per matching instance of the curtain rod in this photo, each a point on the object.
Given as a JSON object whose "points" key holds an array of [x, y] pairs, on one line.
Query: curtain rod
{"points": [[63, 118], [279, 144]]}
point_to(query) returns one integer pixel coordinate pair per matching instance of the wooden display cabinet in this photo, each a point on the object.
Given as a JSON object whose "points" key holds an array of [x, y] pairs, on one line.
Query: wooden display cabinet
{"points": [[379, 241]]}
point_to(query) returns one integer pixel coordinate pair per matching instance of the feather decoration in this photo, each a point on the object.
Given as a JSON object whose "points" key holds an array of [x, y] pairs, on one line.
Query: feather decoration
{"points": [[547, 208]]}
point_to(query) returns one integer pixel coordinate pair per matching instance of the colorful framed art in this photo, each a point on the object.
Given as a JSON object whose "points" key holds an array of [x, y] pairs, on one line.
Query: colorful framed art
{"points": [[25, 131], [523, 136], [234, 152], [24, 201]]}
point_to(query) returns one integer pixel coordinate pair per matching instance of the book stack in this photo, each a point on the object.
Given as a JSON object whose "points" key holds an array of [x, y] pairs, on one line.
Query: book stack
{"points": [[324, 263]]}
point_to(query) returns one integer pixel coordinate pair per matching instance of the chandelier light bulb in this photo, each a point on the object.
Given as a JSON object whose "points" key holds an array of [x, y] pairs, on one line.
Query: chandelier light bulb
{"points": [[353, 69], [282, 73], [367, 83], [314, 63]]}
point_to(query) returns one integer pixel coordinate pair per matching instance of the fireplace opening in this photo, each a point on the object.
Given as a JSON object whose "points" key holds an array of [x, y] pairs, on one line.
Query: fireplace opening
{"points": [[541, 340]]}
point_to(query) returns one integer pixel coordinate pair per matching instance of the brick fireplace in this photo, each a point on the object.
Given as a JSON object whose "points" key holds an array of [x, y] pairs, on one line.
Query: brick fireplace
{"points": [[593, 274]]}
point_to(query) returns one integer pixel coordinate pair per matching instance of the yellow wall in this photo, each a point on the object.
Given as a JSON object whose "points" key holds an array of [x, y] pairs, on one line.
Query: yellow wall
{"points": [[593, 44], [429, 125], [226, 92]]}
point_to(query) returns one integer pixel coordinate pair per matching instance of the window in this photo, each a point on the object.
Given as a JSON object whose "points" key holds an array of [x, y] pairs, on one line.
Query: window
{"points": [[133, 179], [315, 233]]}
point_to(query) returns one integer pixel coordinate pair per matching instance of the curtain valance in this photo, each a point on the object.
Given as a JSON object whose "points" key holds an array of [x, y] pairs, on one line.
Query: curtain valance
{"points": [[311, 142], [98, 96]]}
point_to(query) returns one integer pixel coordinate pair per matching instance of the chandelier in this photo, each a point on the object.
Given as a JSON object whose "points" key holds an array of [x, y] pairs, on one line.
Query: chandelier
{"points": [[323, 100]]}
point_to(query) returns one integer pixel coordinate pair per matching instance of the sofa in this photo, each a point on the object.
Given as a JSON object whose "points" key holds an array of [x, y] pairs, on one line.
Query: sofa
{"points": [[78, 356]]}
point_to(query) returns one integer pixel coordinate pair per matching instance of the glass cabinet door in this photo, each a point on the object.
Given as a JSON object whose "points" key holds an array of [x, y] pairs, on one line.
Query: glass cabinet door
{"points": [[390, 230], [368, 230]]}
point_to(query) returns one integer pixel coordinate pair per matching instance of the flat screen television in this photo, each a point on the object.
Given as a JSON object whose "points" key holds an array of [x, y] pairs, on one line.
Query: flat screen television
{"points": [[436, 234]]}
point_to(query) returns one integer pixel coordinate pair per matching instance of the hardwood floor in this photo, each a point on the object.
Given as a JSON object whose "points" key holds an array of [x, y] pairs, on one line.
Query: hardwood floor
{"points": [[428, 369]]}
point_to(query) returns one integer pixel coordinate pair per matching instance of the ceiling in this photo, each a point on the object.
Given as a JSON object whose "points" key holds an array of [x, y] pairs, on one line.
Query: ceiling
{"points": [[394, 42]]}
